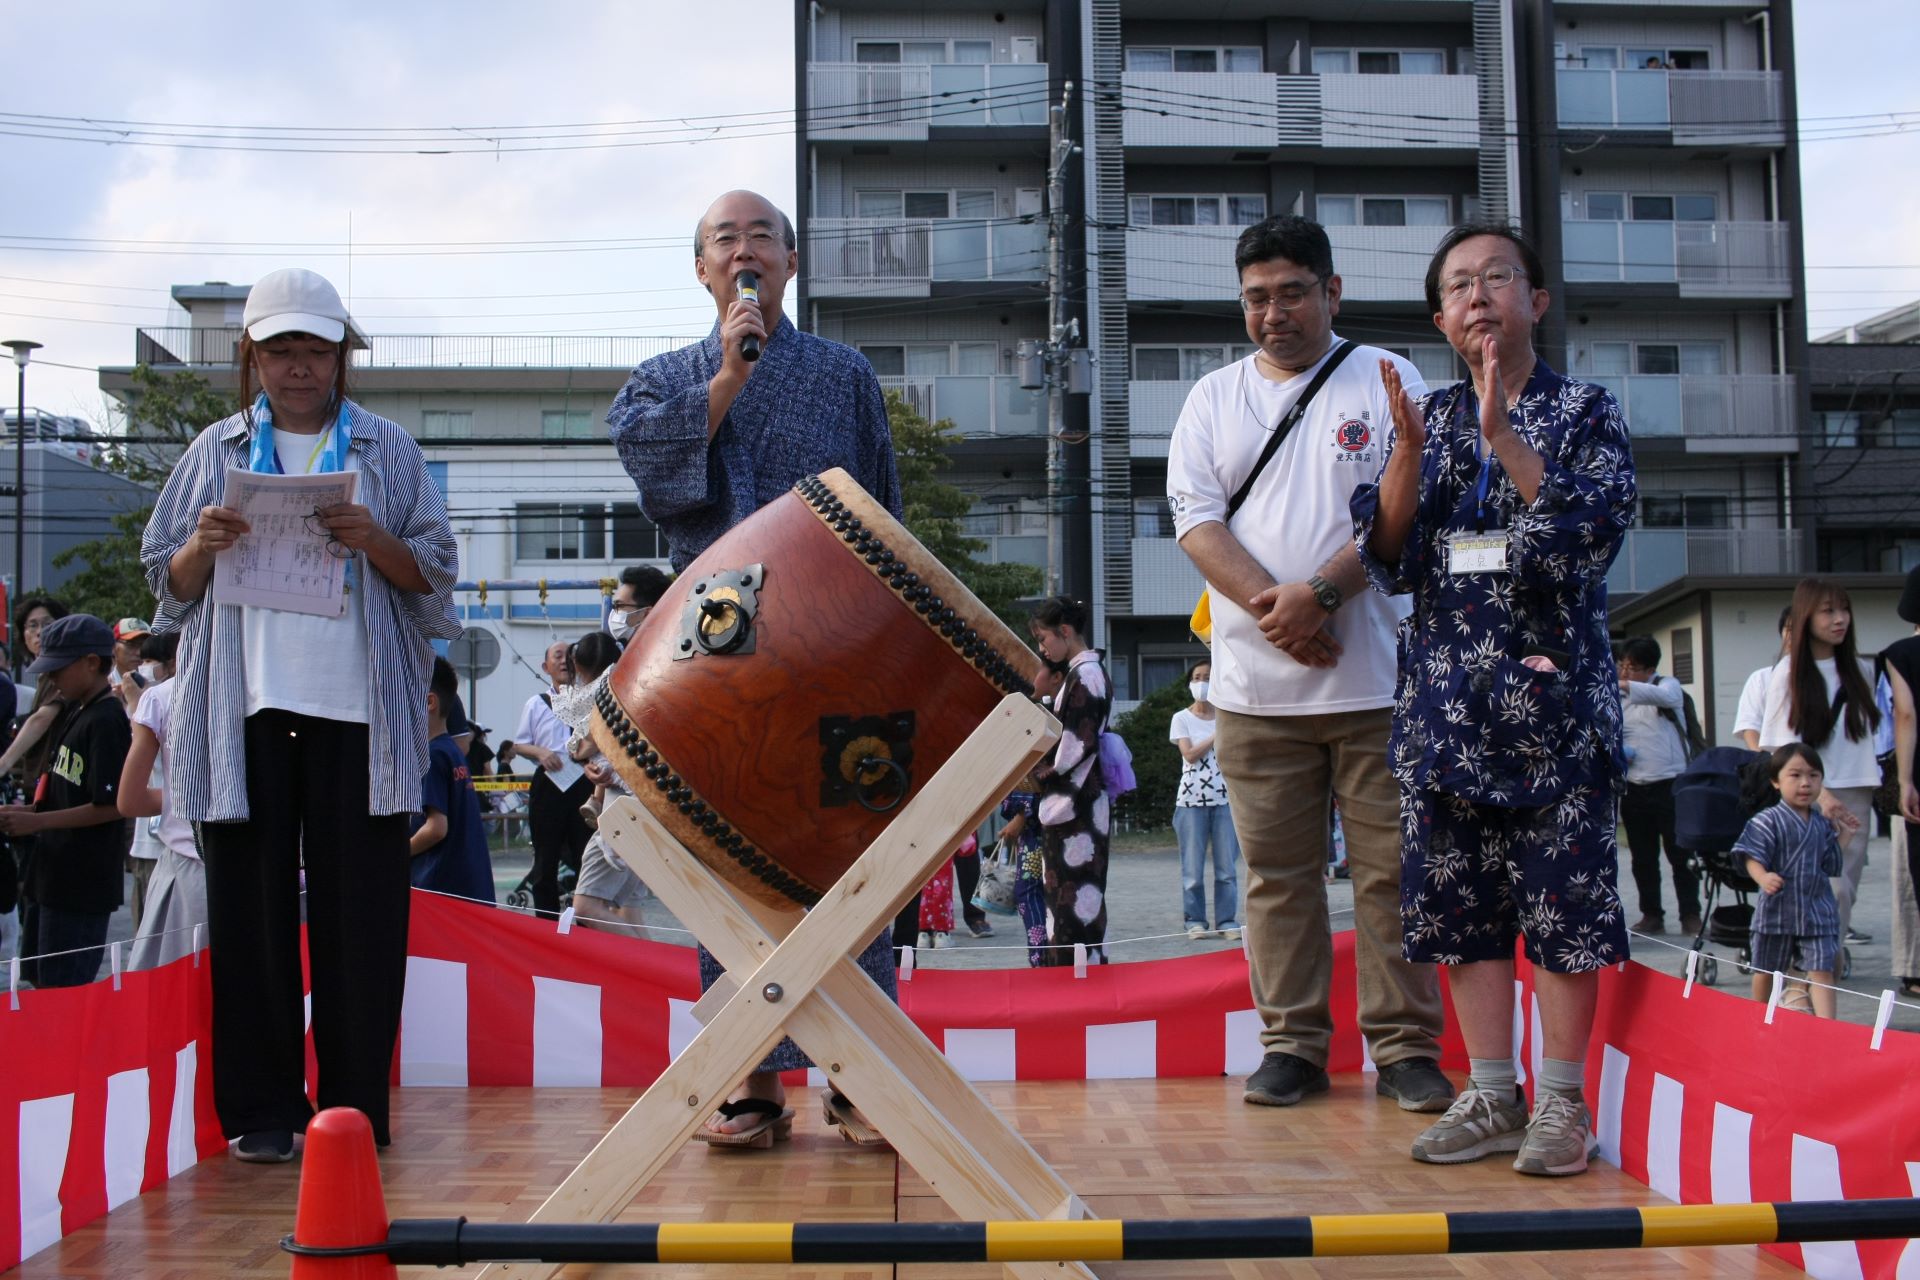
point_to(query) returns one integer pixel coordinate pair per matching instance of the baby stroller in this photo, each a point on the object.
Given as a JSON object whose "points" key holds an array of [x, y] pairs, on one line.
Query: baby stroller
{"points": [[521, 895], [1713, 797]]}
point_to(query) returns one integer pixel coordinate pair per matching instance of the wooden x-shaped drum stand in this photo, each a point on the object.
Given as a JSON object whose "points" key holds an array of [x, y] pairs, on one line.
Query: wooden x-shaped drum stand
{"points": [[796, 975]]}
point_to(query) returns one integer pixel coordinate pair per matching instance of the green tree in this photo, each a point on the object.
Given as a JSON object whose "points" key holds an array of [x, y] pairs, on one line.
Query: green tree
{"points": [[934, 510], [163, 413]]}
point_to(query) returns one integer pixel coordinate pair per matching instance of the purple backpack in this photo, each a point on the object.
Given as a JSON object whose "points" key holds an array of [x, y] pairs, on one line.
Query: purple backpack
{"points": [[1116, 766]]}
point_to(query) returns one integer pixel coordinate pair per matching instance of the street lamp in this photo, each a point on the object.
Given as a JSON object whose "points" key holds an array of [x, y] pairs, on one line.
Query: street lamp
{"points": [[22, 353]]}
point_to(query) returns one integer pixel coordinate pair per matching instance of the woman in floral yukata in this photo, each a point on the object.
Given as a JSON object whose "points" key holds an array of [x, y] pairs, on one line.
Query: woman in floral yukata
{"points": [[1074, 812], [1501, 507]]}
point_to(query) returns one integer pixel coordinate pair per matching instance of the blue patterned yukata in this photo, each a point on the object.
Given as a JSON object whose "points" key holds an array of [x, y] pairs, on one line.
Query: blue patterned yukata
{"points": [[1800, 925], [809, 406], [1507, 774]]}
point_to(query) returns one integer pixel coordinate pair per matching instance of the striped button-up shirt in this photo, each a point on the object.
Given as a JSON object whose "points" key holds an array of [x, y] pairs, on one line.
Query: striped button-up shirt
{"points": [[207, 768], [1804, 852]]}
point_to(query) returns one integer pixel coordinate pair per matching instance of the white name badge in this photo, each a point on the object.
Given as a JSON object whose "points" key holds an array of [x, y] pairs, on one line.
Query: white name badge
{"points": [[1477, 552]]}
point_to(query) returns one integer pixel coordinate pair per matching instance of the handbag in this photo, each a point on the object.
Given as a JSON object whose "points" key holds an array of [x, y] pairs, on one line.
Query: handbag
{"points": [[998, 874], [1201, 620]]}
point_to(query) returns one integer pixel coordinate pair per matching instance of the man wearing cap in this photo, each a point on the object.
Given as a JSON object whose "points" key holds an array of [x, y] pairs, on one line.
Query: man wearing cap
{"points": [[76, 869]]}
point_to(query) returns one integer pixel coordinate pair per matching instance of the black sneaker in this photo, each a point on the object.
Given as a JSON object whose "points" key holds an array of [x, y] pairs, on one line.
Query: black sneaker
{"points": [[265, 1146], [1855, 937], [1417, 1084], [1283, 1080]]}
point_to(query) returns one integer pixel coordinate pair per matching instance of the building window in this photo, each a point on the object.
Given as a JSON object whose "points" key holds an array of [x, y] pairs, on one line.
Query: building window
{"points": [[1152, 518], [931, 359], [1685, 511], [445, 424], [566, 424], [923, 51], [1680, 649], [552, 531], [1157, 671], [979, 203], [1184, 363], [1384, 211], [1838, 430], [1615, 206], [1380, 62], [1615, 57], [1196, 211], [634, 536], [1194, 58], [1620, 359]]}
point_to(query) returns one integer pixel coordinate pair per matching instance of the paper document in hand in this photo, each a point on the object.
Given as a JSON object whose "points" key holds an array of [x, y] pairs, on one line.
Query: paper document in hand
{"points": [[281, 562]]}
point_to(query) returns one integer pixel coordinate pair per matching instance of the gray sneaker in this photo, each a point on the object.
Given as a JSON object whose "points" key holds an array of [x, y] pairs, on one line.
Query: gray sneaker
{"points": [[1559, 1138], [1478, 1124]]}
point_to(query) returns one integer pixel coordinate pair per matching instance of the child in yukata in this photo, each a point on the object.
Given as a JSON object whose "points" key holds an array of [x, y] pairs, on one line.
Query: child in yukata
{"points": [[1791, 850]]}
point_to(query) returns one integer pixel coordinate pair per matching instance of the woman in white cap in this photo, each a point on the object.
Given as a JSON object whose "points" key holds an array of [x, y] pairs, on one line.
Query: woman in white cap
{"points": [[299, 739]]}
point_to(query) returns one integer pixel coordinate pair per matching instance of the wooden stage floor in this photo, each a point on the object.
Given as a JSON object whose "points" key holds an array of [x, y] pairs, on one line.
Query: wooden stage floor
{"points": [[1131, 1149]]}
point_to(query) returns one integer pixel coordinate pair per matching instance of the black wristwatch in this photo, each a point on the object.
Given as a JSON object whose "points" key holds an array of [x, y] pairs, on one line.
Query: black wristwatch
{"points": [[1325, 593]]}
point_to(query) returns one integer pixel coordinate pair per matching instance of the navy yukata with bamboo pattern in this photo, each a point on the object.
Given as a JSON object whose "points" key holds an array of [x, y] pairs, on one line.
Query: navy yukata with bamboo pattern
{"points": [[1509, 775]]}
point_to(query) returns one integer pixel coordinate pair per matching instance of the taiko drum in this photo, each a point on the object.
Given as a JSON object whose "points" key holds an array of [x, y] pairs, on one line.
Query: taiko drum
{"points": [[797, 683]]}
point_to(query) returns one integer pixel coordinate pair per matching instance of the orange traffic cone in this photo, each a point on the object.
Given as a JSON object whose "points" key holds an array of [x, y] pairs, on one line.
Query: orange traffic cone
{"points": [[341, 1205]]}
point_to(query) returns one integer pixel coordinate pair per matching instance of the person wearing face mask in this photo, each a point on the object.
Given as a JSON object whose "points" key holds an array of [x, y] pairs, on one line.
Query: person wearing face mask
{"points": [[1202, 819], [641, 586]]}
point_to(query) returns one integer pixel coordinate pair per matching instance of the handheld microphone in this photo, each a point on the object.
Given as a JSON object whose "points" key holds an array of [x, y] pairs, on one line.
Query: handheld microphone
{"points": [[748, 283]]}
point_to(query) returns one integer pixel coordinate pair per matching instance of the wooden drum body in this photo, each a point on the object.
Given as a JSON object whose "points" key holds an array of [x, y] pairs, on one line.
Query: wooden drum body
{"points": [[796, 683]]}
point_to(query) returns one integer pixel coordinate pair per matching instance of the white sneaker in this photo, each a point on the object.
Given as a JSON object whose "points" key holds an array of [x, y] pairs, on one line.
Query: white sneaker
{"points": [[926, 942], [1559, 1137], [1195, 932], [942, 941], [1231, 933]]}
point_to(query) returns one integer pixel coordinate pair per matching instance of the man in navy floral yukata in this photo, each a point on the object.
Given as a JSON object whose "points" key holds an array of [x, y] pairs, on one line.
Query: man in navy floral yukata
{"points": [[1501, 507], [709, 437]]}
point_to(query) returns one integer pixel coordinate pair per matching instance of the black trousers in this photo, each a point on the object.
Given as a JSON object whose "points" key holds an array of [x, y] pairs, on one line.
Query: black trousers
{"points": [[307, 792], [1646, 811], [560, 835]]}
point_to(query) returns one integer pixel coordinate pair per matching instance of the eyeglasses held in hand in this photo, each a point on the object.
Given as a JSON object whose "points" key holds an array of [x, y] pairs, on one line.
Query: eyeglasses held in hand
{"points": [[317, 526]]}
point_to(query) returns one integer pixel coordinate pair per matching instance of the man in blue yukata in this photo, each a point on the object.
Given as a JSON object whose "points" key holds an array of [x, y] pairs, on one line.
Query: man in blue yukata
{"points": [[716, 430], [1502, 504]]}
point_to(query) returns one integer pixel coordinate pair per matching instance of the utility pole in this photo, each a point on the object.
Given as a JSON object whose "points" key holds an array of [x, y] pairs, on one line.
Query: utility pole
{"points": [[1056, 364]]}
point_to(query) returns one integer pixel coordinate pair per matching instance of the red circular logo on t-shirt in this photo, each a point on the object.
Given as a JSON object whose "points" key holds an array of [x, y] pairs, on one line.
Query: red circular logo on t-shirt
{"points": [[1353, 435]]}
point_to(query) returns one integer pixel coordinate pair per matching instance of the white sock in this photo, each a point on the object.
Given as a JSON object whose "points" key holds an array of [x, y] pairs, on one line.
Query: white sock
{"points": [[1497, 1076], [1568, 1079]]}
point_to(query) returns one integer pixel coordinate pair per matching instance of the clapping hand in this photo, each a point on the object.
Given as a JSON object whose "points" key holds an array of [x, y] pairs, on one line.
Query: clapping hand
{"points": [[1409, 428]]}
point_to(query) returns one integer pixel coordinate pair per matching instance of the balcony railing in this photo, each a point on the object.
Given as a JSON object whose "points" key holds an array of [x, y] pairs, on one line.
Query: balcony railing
{"points": [[1706, 259], [978, 404], [900, 101], [1383, 264], [890, 257], [1725, 107], [174, 346], [1165, 583], [1651, 558], [1716, 412], [1181, 264], [1240, 109]]}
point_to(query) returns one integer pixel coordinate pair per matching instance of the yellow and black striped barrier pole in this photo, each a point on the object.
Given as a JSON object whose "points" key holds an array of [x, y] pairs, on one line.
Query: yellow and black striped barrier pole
{"points": [[455, 1241]]}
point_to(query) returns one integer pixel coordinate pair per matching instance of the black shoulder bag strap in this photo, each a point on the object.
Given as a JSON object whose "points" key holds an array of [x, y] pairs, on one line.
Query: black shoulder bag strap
{"points": [[1286, 425]]}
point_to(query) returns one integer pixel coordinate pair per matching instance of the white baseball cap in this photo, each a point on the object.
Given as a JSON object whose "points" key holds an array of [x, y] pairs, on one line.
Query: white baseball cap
{"points": [[295, 300]]}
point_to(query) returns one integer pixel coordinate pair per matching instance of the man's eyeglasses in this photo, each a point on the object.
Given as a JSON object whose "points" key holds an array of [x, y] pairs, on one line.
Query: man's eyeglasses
{"points": [[1456, 288], [728, 241], [317, 526], [1288, 298]]}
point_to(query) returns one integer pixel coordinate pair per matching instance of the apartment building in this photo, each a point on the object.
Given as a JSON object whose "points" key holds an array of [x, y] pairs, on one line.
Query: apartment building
{"points": [[1643, 144], [512, 429]]}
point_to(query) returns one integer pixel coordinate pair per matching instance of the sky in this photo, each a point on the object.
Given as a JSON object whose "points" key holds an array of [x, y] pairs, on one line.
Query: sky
{"points": [[573, 235]]}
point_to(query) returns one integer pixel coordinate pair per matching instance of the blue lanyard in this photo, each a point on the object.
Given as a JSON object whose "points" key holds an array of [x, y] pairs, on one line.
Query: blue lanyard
{"points": [[330, 450], [1480, 494]]}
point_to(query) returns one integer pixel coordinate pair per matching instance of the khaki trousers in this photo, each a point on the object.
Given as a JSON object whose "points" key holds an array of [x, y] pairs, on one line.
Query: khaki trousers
{"points": [[1281, 773]]}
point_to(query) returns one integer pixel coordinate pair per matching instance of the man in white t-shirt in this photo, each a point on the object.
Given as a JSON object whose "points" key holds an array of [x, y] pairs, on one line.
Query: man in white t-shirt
{"points": [[1751, 716], [1303, 668], [559, 787]]}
